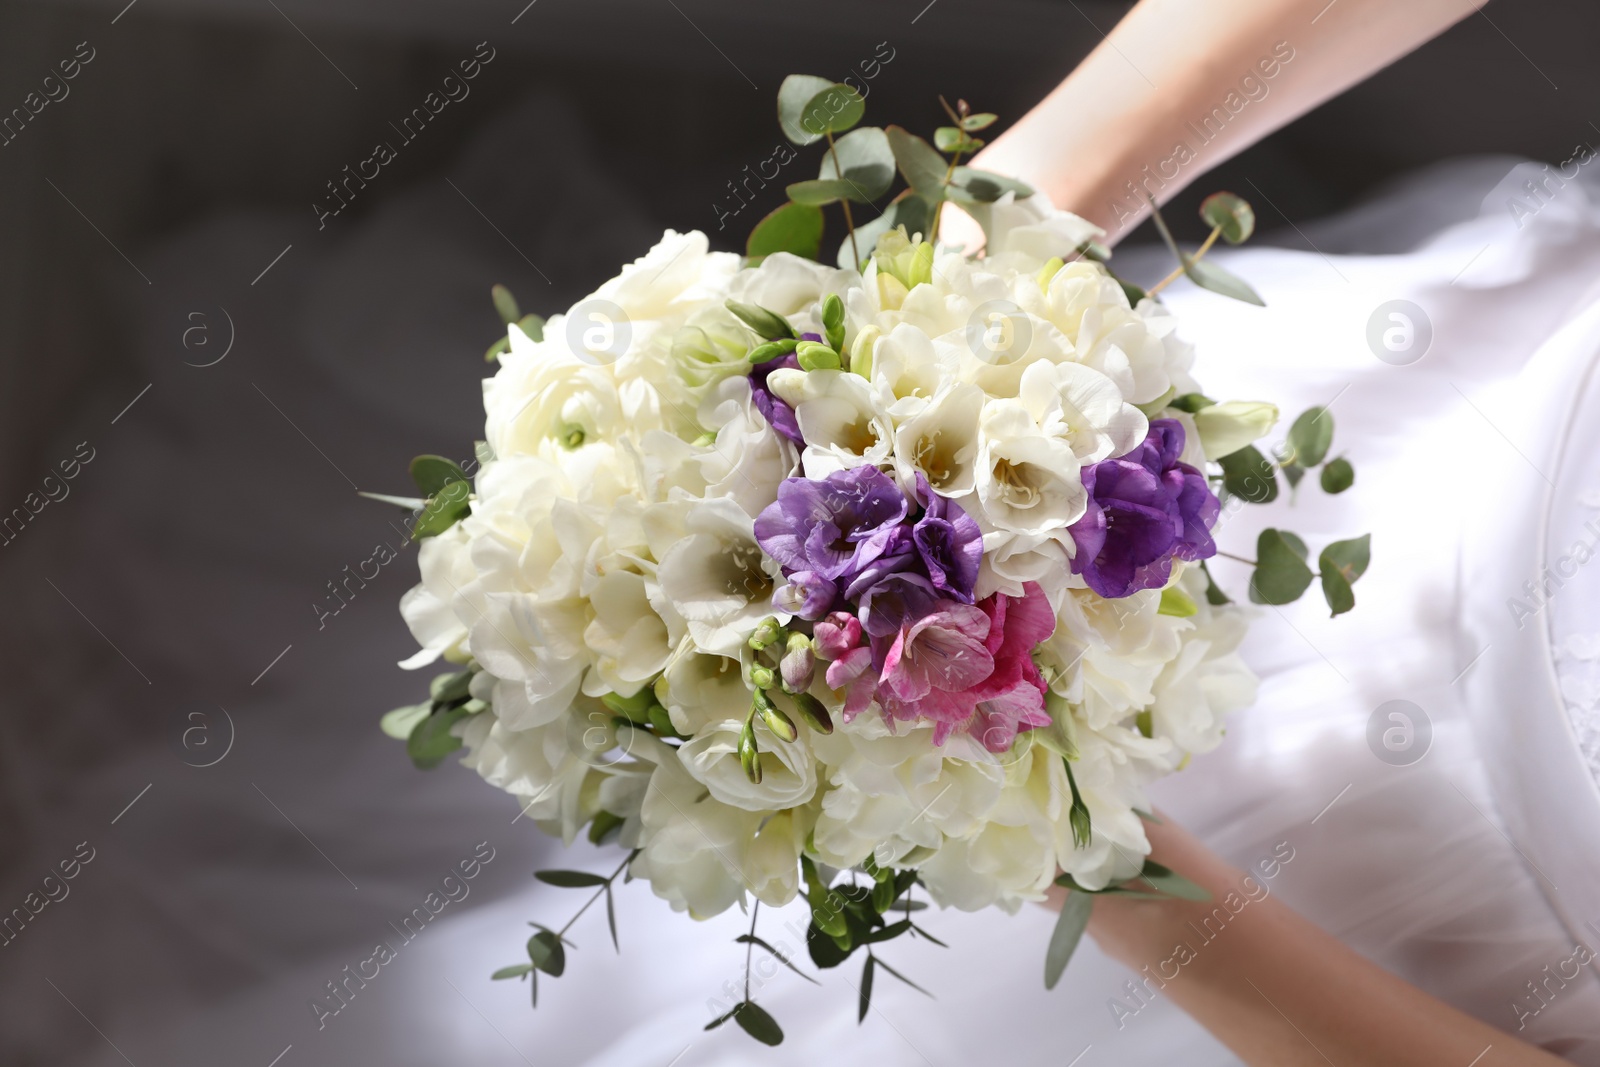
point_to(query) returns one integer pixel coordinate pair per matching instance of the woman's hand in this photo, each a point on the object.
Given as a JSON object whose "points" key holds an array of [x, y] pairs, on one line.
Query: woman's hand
{"points": [[1276, 989], [1181, 85]]}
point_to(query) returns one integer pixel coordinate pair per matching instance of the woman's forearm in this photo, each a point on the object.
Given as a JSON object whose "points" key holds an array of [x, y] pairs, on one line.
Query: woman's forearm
{"points": [[1181, 85], [1275, 988]]}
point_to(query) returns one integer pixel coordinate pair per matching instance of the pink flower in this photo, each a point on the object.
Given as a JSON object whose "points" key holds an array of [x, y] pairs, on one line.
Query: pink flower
{"points": [[973, 672], [1012, 697], [836, 635]]}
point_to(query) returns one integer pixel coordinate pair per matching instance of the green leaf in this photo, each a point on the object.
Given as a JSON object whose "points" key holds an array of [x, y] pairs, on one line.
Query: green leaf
{"points": [[431, 741], [1337, 592], [724, 1017], [768, 324], [792, 228], [986, 187], [1292, 473], [611, 919], [1310, 437], [604, 825], [1281, 574], [443, 511], [1191, 402], [1338, 476], [399, 723], [1214, 594], [824, 951], [570, 879], [505, 304], [532, 326], [864, 1000], [501, 346], [449, 688], [1235, 215], [1207, 275], [1349, 558], [547, 953], [1296, 544], [433, 473], [833, 110], [1177, 603], [752, 939], [1171, 883], [952, 139], [865, 164], [1064, 939], [922, 166], [981, 121], [888, 932], [797, 91], [516, 970], [906, 980], [1248, 474], [758, 1024], [818, 192]]}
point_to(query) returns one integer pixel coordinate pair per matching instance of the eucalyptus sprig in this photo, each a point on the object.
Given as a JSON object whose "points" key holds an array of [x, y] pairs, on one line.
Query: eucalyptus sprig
{"points": [[1281, 570], [547, 948], [859, 168]]}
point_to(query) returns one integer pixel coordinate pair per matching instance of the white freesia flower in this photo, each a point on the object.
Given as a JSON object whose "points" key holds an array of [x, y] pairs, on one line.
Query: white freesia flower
{"points": [[1082, 407], [699, 690], [792, 287], [840, 418], [1027, 482], [717, 577], [545, 767], [446, 565], [788, 778], [941, 441], [1031, 228], [907, 370]]}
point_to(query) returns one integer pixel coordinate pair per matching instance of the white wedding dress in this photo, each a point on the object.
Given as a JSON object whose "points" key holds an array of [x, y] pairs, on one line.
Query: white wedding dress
{"points": [[1437, 867]]}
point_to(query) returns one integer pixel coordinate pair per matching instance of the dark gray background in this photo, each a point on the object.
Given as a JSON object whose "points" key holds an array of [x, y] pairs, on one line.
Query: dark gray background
{"points": [[191, 550]]}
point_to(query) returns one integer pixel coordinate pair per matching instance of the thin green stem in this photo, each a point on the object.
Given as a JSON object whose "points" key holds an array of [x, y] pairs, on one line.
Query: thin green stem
{"points": [[598, 892], [750, 947], [1182, 267], [844, 202], [1236, 559]]}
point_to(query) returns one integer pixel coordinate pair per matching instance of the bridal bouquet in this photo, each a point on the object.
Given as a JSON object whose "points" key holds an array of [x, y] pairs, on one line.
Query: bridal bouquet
{"points": [[861, 581]]}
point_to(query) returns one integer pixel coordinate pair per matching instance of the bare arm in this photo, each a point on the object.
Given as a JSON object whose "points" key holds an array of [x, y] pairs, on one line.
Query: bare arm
{"points": [[1181, 85], [1279, 991]]}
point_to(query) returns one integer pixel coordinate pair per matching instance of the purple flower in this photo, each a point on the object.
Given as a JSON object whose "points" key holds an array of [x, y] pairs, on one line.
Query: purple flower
{"points": [[775, 411], [899, 553], [949, 542], [1145, 510], [834, 527], [806, 594]]}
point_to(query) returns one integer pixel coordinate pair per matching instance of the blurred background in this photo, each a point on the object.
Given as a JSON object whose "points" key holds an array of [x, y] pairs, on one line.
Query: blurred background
{"points": [[194, 676]]}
